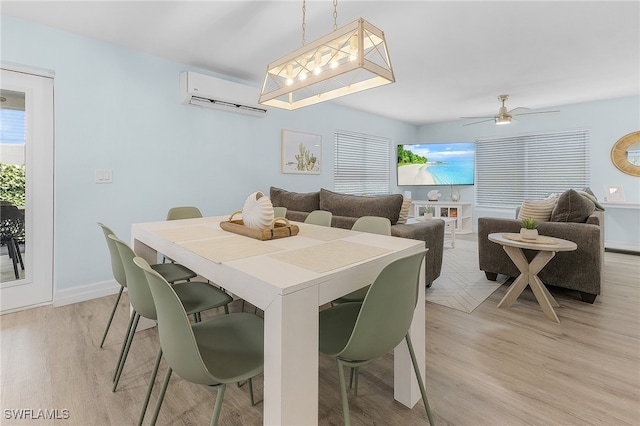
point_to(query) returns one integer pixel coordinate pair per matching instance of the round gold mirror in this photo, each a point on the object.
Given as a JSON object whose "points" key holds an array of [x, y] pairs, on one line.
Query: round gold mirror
{"points": [[625, 154]]}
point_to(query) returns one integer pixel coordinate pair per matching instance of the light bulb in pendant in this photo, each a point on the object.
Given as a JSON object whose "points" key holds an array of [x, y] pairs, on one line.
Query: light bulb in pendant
{"points": [[289, 73], [318, 62], [353, 47]]}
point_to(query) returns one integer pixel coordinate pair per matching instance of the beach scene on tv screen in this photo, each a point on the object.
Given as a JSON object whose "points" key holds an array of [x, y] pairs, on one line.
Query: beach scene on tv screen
{"points": [[436, 164]]}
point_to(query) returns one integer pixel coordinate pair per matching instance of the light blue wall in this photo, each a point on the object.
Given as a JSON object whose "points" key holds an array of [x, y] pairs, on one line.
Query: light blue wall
{"points": [[607, 120], [118, 109]]}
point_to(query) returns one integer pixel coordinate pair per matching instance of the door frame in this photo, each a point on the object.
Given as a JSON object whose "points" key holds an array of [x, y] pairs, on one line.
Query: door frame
{"points": [[36, 289]]}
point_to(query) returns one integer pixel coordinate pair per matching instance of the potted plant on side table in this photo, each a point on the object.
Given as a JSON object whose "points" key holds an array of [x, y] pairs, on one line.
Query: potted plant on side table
{"points": [[528, 230]]}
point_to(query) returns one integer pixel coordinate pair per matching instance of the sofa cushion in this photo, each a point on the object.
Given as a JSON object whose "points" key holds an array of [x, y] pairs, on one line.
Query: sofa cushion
{"points": [[404, 211], [540, 210], [590, 196], [572, 207], [357, 206], [296, 201]]}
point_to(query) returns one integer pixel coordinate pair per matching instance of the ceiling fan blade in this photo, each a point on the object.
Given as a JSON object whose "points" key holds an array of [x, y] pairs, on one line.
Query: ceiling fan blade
{"points": [[539, 112], [478, 122], [479, 117], [514, 111]]}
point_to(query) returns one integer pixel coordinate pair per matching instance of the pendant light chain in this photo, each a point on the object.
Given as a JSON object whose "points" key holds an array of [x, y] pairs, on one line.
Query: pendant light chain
{"points": [[304, 25], [335, 15]]}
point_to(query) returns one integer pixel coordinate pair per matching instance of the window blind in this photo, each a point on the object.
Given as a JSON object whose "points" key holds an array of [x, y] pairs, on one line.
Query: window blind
{"points": [[513, 168], [361, 163]]}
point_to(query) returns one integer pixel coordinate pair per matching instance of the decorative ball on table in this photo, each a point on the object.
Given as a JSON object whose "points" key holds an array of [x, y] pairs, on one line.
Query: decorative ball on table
{"points": [[257, 212]]}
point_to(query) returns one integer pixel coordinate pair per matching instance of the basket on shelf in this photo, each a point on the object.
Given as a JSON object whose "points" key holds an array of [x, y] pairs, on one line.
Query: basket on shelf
{"points": [[280, 228]]}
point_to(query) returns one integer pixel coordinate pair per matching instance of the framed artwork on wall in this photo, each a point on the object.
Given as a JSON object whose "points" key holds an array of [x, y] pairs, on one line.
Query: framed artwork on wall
{"points": [[301, 152], [615, 193]]}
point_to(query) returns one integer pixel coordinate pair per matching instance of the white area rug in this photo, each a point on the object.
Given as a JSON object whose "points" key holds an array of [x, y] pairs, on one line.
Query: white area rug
{"points": [[461, 284]]}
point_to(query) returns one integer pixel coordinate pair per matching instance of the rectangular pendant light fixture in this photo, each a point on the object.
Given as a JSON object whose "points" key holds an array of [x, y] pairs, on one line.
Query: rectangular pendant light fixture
{"points": [[347, 60]]}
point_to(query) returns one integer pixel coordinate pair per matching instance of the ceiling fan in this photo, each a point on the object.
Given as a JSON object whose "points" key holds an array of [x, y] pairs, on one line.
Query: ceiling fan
{"points": [[504, 116]]}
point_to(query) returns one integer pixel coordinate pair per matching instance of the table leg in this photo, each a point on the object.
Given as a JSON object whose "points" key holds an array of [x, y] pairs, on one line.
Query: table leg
{"points": [[518, 286], [291, 359], [453, 234], [529, 275], [405, 385]]}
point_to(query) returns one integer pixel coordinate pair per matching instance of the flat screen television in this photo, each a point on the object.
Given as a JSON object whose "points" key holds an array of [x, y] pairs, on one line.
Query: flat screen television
{"points": [[450, 163]]}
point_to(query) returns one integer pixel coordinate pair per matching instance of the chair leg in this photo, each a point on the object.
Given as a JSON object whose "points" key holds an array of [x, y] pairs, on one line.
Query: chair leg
{"points": [[253, 402], [132, 332], [11, 248], [113, 312], [355, 390], [416, 369], [124, 344], [161, 396], [154, 373], [18, 254], [218, 407], [343, 395], [354, 376]]}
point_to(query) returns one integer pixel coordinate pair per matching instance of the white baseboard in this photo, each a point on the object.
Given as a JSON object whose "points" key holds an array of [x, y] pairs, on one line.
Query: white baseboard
{"points": [[68, 296], [620, 245]]}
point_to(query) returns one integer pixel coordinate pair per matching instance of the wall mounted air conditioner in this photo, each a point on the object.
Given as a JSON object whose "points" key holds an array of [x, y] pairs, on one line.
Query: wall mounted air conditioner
{"points": [[211, 92]]}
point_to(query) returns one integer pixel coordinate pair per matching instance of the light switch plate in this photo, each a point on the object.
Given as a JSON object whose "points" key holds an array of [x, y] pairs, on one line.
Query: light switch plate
{"points": [[103, 176]]}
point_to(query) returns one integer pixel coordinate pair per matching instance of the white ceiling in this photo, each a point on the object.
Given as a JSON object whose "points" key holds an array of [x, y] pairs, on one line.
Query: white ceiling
{"points": [[450, 59]]}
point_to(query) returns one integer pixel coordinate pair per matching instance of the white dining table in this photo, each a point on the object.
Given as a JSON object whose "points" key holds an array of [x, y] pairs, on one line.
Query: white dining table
{"points": [[289, 279]]}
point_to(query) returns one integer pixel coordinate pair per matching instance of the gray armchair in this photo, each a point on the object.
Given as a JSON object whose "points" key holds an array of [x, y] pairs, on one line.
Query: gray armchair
{"points": [[578, 270]]}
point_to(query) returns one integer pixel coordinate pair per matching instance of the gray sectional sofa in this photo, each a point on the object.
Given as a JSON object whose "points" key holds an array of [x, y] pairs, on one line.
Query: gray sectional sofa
{"points": [[346, 209]]}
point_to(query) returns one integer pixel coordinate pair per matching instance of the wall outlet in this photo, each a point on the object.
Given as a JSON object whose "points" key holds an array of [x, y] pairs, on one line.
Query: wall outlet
{"points": [[104, 176]]}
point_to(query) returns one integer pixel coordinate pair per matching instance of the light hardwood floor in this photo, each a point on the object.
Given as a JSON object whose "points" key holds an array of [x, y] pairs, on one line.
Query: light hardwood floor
{"points": [[492, 367]]}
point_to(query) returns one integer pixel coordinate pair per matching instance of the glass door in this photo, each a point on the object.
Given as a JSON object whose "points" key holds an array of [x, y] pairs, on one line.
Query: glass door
{"points": [[26, 193]]}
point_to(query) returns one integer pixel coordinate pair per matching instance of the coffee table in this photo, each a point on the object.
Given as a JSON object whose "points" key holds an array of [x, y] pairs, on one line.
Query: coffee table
{"points": [[547, 247]]}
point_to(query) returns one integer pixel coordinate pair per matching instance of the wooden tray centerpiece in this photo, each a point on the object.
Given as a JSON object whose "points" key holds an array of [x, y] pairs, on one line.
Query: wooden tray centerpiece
{"points": [[280, 228]]}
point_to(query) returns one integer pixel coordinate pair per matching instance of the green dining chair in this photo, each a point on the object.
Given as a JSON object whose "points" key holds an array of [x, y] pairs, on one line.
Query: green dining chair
{"points": [[358, 333], [172, 273], [373, 225], [214, 353], [279, 212], [319, 217], [195, 296], [185, 212]]}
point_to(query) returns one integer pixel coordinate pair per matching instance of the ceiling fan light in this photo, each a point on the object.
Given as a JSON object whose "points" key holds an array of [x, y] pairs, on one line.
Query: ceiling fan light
{"points": [[503, 119]]}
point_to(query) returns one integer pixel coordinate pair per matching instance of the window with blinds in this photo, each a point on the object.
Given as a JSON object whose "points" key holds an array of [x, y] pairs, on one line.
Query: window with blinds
{"points": [[513, 168], [361, 163]]}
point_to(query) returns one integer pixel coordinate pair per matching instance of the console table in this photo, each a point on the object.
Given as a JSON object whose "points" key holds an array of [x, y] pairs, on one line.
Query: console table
{"points": [[456, 210]]}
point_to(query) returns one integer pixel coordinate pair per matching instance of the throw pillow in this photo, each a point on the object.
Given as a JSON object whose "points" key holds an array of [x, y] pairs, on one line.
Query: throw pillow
{"points": [[295, 201], [539, 210], [357, 206], [572, 207], [593, 198], [404, 211]]}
